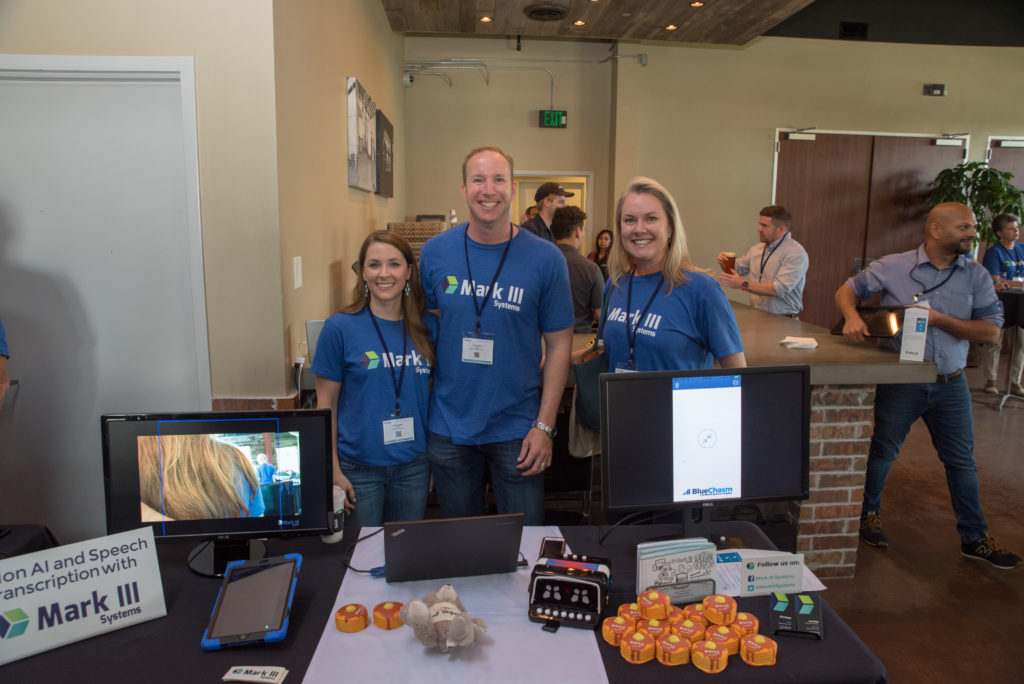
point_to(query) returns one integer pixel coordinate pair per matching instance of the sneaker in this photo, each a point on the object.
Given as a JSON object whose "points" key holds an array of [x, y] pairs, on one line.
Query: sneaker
{"points": [[871, 529], [988, 549], [990, 387], [1017, 390]]}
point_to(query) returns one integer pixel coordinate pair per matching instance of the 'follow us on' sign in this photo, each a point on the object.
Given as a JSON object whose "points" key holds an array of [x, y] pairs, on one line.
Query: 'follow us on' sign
{"points": [[58, 596]]}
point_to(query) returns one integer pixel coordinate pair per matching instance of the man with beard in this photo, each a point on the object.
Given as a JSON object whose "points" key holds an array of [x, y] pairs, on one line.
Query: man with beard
{"points": [[963, 308]]}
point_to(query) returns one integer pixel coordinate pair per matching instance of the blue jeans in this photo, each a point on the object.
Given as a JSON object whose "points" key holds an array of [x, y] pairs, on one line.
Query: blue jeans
{"points": [[459, 478], [387, 493], [946, 409]]}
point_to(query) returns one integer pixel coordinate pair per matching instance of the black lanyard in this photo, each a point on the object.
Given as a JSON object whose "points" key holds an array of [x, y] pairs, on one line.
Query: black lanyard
{"points": [[765, 259], [632, 327], [952, 270], [396, 381], [476, 305]]}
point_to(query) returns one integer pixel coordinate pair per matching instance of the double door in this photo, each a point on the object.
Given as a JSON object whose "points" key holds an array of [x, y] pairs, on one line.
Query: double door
{"points": [[855, 198]]}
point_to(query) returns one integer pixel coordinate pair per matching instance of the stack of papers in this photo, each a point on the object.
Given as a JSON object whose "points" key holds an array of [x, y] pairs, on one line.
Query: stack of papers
{"points": [[682, 568], [799, 343]]}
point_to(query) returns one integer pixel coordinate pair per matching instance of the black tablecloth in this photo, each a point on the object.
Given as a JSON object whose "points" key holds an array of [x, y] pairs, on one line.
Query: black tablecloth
{"points": [[167, 649], [1013, 307]]}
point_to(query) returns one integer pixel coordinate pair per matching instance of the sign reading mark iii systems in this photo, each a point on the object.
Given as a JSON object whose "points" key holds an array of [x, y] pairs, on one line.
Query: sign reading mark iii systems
{"points": [[62, 595], [553, 118]]}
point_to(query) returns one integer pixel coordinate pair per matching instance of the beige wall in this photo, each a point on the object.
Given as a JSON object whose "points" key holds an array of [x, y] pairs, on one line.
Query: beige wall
{"points": [[317, 45], [701, 119], [232, 43], [443, 123]]}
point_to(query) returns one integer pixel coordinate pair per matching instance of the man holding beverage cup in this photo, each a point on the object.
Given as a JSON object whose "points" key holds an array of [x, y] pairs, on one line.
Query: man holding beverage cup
{"points": [[774, 270]]}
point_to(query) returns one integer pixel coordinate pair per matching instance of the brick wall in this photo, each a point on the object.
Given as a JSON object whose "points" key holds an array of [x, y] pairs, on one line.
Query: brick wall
{"points": [[841, 426]]}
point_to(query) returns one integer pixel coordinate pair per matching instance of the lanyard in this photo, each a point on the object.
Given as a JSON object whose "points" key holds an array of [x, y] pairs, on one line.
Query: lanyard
{"points": [[476, 305], [395, 380], [917, 297], [765, 259], [632, 327]]}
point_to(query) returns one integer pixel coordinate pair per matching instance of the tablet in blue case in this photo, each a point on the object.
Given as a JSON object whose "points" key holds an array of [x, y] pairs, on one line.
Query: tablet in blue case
{"points": [[254, 602]]}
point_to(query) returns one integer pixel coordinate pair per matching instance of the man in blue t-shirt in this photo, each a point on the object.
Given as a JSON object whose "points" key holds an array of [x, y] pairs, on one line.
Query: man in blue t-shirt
{"points": [[498, 291]]}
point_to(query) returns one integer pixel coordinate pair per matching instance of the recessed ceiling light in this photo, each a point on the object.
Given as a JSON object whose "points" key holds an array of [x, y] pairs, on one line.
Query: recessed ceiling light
{"points": [[579, 22], [671, 27], [696, 4], [486, 20], [627, 14]]}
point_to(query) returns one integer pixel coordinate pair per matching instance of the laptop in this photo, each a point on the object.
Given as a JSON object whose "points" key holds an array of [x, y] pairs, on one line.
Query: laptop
{"points": [[452, 547], [882, 321]]}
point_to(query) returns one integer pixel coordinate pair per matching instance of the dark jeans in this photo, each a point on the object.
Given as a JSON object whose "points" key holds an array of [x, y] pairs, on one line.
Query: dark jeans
{"points": [[387, 493], [946, 409], [459, 478]]}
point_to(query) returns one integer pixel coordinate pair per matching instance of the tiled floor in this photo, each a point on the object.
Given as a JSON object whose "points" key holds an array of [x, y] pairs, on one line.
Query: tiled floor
{"points": [[928, 613]]}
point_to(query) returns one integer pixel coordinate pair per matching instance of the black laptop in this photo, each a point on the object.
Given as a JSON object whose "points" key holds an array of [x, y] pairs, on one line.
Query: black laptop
{"points": [[452, 547], [882, 321]]}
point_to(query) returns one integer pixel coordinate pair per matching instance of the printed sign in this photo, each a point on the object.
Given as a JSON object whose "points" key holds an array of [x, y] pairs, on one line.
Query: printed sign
{"points": [[58, 596], [915, 334], [767, 574]]}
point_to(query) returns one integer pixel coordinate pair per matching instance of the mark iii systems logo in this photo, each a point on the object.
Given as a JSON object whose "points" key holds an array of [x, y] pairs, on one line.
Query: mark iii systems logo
{"points": [[453, 284], [13, 623], [370, 360]]}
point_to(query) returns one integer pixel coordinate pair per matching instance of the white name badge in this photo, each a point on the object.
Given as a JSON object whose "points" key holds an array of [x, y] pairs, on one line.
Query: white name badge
{"points": [[398, 430], [477, 349], [624, 368]]}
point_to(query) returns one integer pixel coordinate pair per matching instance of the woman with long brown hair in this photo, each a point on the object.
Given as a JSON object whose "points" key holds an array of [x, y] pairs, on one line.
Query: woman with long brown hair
{"points": [[194, 477], [373, 364]]}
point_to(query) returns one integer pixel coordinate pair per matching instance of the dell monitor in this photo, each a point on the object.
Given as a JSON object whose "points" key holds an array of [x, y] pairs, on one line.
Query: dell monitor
{"points": [[688, 439], [224, 478]]}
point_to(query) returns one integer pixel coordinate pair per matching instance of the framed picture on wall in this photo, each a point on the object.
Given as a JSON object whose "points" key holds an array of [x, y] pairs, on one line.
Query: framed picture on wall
{"points": [[385, 156], [362, 137]]}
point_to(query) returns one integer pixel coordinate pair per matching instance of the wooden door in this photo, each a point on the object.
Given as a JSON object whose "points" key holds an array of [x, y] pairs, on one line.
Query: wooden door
{"points": [[1008, 159], [902, 171], [824, 184]]}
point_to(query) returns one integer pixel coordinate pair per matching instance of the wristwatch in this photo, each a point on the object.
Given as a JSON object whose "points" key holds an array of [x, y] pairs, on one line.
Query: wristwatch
{"points": [[744, 285], [547, 429]]}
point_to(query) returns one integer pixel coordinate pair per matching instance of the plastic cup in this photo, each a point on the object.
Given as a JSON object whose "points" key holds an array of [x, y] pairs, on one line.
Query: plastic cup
{"points": [[730, 262]]}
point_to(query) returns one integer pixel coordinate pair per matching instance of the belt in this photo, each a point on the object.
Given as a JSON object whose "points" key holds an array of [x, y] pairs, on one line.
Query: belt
{"points": [[955, 375]]}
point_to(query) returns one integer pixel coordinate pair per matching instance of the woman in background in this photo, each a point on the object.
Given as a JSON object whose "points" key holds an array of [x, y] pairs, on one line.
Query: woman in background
{"points": [[194, 477], [602, 248], [664, 313], [373, 364]]}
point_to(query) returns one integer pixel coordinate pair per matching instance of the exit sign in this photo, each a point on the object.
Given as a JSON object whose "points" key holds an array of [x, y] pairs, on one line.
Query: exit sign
{"points": [[552, 118]]}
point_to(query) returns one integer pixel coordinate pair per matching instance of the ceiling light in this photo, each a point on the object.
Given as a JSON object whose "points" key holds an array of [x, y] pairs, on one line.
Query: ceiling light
{"points": [[696, 4], [486, 20], [579, 22], [671, 27]]}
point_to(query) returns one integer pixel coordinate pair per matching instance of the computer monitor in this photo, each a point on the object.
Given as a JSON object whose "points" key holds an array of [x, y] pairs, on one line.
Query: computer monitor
{"points": [[689, 439], [223, 477]]}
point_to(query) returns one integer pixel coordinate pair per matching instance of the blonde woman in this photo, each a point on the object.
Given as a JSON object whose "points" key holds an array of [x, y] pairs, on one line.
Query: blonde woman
{"points": [[664, 313], [195, 477], [373, 364]]}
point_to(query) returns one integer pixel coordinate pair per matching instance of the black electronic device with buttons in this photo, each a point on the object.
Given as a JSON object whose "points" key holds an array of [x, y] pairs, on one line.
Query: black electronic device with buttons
{"points": [[569, 589]]}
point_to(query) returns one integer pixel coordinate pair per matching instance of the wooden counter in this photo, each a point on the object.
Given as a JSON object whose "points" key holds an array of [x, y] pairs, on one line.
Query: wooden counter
{"points": [[836, 361]]}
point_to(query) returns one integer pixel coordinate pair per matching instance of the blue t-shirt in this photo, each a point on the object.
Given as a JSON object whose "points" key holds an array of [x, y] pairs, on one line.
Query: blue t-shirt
{"points": [[350, 352], [688, 329], [1007, 263], [3, 341], [254, 500], [481, 404]]}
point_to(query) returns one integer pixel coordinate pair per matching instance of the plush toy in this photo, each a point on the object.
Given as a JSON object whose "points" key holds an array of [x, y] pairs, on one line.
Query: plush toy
{"points": [[440, 622]]}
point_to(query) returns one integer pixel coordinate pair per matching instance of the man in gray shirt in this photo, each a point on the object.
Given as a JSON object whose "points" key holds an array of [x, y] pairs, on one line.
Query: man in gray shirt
{"points": [[585, 279], [774, 270]]}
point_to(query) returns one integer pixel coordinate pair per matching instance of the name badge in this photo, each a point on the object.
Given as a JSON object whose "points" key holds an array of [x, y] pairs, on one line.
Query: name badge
{"points": [[398, 430], [624, 368], [477, 349]]}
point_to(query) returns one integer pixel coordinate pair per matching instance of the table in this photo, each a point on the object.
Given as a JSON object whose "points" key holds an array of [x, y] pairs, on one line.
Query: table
{"points": [[167, 649], [1013, 312]]}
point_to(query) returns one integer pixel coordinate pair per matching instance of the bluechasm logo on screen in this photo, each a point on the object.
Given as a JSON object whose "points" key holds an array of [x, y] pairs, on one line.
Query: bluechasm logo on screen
{"points": [[710, 491], [13, 623]]}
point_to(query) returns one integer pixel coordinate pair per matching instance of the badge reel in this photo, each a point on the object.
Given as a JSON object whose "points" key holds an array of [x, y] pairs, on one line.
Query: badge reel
{"points": [[478, 348]]}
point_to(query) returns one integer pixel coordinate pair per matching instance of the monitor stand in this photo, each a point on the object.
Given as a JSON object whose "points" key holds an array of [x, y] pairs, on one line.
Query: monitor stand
{"points": [[210, 557], [697, 523]]}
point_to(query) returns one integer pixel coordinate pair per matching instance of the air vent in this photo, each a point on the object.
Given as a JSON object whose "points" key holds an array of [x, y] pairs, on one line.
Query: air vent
{"points": [[545, 11]]}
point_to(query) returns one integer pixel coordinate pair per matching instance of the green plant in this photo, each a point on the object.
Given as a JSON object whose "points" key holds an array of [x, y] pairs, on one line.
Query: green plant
{"points": [[985, 190]]}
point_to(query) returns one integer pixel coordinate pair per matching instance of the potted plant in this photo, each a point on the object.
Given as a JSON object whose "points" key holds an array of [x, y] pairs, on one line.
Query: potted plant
{"points": [[986, 191]]}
